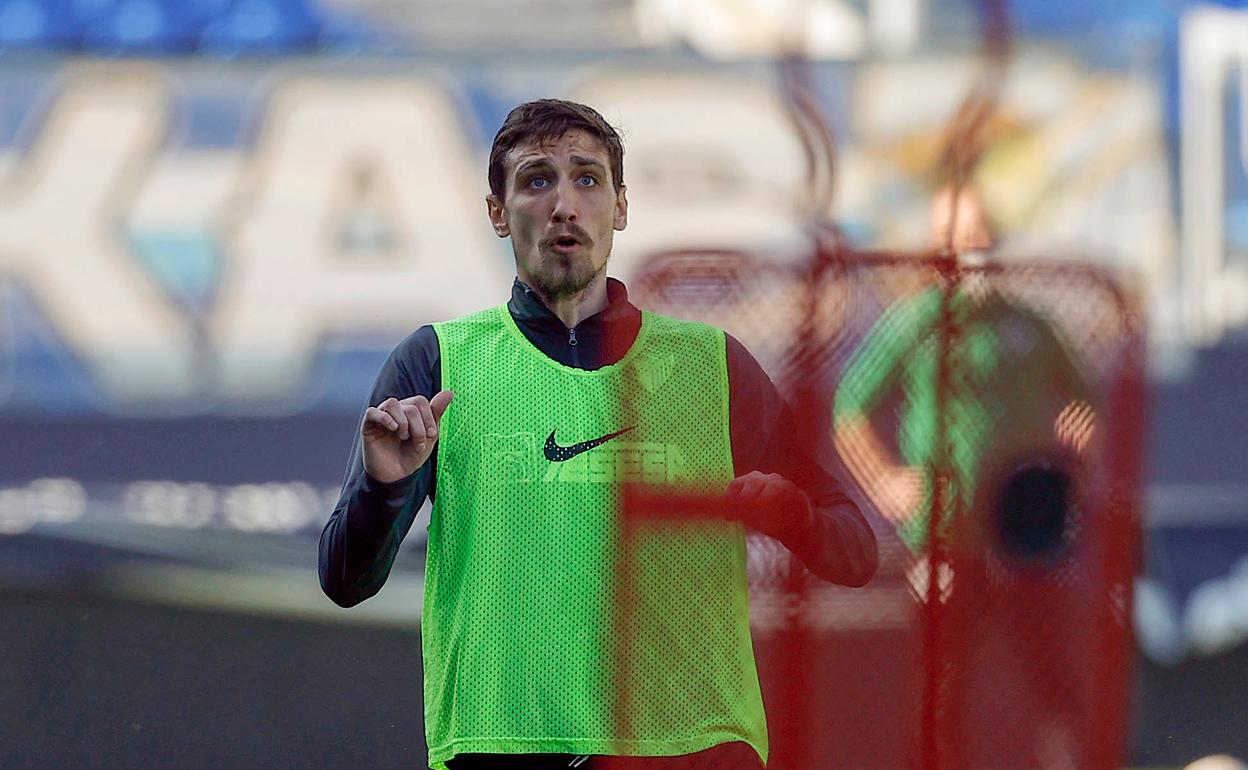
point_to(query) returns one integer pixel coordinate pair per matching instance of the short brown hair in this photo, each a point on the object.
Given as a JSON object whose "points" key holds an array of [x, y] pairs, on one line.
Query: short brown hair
{"points": [[548, 119]]}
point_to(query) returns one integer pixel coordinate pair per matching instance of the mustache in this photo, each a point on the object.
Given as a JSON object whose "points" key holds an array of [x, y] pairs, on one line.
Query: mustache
{"points": [[568, 231]]}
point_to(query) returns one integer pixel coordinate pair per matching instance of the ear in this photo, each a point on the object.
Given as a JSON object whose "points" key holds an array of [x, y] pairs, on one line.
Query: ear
{"points": [[498, 216], [620, 220]]}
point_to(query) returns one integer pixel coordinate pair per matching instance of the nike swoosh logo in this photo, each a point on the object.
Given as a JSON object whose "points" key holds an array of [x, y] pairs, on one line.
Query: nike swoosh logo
{"points": [[558, 454]]}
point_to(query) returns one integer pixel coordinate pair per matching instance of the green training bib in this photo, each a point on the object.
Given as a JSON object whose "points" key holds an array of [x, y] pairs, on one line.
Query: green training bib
{"points": [[521, 632]]}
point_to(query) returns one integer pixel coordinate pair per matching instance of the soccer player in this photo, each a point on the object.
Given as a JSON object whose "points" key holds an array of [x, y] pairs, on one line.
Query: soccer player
{"points": [[512, 421]]}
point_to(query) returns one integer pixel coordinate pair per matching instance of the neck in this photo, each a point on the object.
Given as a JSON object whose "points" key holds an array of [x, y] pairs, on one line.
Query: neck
{"points": [[574, 308]]}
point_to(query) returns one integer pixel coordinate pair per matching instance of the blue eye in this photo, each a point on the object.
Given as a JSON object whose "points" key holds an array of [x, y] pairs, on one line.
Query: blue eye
{"points": [[592, 181], [538, 183]]}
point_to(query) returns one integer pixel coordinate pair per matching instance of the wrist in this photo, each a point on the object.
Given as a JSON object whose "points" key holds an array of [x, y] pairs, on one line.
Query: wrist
{"points": [[379, 487], [792, 517]]}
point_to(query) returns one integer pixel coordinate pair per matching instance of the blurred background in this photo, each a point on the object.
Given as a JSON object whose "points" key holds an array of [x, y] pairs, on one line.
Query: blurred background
{"points": [[218, 216]]}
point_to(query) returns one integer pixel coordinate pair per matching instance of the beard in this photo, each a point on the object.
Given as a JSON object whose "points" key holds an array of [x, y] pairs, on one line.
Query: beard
{"points": [[559, 276]]}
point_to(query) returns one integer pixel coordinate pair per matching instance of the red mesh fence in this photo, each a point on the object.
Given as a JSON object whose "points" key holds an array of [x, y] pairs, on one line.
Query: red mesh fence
{"points": [[988, 420]]}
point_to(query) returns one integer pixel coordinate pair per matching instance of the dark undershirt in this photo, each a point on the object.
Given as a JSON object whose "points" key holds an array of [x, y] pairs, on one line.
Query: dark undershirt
{"points": [[360, 541]]}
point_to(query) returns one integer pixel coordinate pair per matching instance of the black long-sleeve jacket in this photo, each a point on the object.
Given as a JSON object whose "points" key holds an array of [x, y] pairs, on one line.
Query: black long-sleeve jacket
{"points": [[359, 544]]}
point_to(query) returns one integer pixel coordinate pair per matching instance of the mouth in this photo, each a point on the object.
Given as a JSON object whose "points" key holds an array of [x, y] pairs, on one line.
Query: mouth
{"points": [[565, 244]]}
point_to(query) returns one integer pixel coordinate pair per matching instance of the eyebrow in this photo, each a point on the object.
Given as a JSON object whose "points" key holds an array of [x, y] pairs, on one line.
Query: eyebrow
{"points": [[528, 164], [577, 160]]}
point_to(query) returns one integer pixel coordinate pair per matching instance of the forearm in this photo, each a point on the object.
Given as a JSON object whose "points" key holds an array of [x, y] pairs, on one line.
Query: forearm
{"points": [[837, 544], [362, 537], [811, 514]]}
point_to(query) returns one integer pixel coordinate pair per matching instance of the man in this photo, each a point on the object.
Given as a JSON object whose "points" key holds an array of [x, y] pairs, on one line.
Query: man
{"points": [[1015, 405], [557, 397], [1012, 384]]}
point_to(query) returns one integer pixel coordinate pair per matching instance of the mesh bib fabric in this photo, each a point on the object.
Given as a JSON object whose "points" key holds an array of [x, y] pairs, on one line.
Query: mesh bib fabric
{"points": [[520, 626]]}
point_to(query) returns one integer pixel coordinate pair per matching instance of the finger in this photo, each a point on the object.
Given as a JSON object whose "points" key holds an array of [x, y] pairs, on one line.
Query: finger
{"points": [[425, 415], [775, 485], [392, 407], [417, 402], [415, 425], [375, 416], [751, 487], [743, 489], [734, 487], [439, 403], [740, 481]]}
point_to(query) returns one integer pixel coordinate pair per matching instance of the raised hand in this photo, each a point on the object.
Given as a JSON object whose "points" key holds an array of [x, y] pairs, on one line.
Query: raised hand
{"points": [[399, 435]]}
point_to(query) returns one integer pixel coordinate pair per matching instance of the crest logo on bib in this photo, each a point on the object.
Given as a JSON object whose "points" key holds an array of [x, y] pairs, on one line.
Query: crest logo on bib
{"points": [[654, 370]]}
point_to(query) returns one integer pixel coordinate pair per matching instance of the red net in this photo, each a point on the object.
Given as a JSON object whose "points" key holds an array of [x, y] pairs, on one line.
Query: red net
{"points": [[988, 421]]}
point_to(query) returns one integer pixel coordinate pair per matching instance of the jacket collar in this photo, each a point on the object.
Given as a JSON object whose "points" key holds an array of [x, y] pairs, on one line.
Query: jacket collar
{"points": [[526, 306]]}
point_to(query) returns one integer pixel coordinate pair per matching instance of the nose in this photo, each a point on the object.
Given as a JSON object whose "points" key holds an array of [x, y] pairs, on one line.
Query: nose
{"points": [[565, 203]]}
